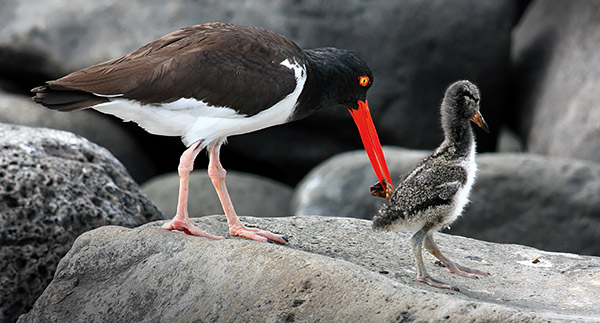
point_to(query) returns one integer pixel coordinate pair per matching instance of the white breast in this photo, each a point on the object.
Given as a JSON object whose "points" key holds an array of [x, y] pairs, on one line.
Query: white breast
{"points": [[462, 196], [195, 120]]}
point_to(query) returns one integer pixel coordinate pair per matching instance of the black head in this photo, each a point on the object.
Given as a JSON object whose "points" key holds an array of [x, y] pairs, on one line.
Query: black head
{"points": [[338, 78], [462, 102], [341, 77]]}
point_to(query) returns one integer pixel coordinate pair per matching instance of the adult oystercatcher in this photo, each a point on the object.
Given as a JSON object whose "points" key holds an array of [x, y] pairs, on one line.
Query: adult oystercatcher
{"points": [[434, 194], [210, 81]]}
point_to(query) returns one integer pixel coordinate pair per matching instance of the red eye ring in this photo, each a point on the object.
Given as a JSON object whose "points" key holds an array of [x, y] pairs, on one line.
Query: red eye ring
{"points": [[363, 80]]}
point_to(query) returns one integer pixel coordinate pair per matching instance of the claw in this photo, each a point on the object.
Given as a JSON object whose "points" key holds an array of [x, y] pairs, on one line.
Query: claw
{"points": [[436, 283], [240, 230]]}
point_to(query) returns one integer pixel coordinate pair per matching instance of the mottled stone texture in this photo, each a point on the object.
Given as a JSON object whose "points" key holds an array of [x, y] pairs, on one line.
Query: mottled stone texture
{"points": [[333, 270], [99, 129], [53, 187]]}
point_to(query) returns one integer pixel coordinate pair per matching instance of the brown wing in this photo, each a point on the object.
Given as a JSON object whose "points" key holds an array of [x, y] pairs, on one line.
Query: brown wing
{"points": [[221, 64]]}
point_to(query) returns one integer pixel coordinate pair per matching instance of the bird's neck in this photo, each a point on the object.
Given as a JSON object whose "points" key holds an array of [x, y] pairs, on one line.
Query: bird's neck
{"points": [[457, 133], [320, 89]]}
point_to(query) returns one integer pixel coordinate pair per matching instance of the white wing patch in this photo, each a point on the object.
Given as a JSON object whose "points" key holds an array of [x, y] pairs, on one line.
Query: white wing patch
{"points": [[195, 120]]}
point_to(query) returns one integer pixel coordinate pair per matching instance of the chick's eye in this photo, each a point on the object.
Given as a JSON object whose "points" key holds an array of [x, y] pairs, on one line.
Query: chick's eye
{"points": [[363, 80], [470, 98]]}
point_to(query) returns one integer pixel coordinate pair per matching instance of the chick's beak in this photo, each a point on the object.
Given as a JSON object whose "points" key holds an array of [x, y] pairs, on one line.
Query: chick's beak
{"points": [[370, 139], [478, 119]]}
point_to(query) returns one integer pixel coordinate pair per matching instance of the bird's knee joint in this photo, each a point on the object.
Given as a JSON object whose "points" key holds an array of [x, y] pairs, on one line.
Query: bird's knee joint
{"points": [[184, 169], [217, 174]]}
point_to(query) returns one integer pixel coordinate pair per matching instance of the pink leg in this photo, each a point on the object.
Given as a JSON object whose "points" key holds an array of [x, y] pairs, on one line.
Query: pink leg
{"points": [[416, 243], [217, 174], [453, 267], [181, 221]]}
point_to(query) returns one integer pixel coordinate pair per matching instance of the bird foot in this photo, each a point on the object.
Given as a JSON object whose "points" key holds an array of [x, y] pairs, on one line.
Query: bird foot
{"points": [[436, 283], [469, 273], [179, 223], [256, 234], [463, 271]]}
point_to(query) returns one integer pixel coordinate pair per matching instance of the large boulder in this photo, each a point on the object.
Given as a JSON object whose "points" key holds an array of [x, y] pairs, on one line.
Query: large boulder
{"points": [[545, 202], [251, 195], [333, 270], [94, 126], [556, 52], [340, 185], [54, 186], [415, 48]]}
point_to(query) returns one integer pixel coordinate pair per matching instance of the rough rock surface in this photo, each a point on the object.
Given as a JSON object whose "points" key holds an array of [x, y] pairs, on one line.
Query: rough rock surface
{"points": [[54, 186], [414, 41], [251, 195], [556, 52], [95, 127], [333, 270], [546, 202]]}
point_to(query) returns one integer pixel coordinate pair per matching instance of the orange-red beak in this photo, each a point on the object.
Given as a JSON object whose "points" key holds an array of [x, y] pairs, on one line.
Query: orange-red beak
{"points": [[370, 139], [478, 119]]}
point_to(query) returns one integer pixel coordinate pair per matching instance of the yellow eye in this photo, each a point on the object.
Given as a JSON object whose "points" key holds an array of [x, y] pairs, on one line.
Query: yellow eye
{"points": [[363, 80]]}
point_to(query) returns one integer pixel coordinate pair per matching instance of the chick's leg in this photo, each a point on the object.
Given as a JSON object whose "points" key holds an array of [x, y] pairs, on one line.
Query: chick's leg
{"points": [[453, 267], [422, 275]]}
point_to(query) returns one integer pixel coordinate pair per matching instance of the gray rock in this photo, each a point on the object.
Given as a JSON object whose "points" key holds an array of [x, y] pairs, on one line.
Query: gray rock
{"points": [[509, 141], [94, 126], [340, 185], [333, 270], [545, 202], [54, 186], [556, 52], [107, 29], [251, 195], [415, 48]]}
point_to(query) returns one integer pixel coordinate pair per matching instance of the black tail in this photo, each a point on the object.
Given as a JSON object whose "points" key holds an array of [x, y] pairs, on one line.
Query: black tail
{"points": [[63, 99]]}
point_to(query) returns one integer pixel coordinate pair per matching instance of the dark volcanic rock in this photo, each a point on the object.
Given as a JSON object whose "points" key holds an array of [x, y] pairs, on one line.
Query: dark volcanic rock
{"points": [[100, 129], [556, 52], [251, 195], [333, 270], [53, 187], [415, 49], [545, 202]]}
